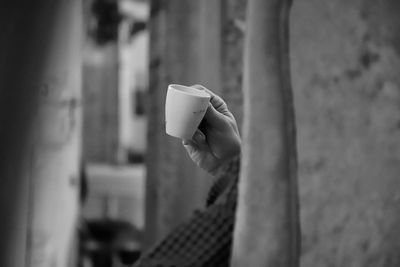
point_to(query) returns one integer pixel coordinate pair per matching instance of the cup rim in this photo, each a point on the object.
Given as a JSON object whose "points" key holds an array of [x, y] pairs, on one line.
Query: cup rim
{"points": [[187, 90]]}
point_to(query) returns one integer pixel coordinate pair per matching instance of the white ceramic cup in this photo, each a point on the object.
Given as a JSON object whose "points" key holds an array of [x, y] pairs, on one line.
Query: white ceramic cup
{"points": [[184, 109]]}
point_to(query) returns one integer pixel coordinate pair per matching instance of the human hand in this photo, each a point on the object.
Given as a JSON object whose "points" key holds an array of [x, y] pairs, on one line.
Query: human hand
{"points": [[218, 138]]}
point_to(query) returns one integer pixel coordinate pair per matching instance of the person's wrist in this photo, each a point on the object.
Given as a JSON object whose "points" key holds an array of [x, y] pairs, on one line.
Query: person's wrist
{"points": [[216, 171], [220, 168]]}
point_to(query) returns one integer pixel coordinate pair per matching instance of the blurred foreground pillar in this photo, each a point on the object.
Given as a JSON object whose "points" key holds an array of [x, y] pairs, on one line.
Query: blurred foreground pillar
{"points": [[267, 225], [40, 130], [57, 141], [184, 48]]}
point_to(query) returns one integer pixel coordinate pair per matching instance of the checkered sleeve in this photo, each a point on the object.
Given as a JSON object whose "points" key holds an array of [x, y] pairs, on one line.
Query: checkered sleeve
{"points": [[206, 238]]}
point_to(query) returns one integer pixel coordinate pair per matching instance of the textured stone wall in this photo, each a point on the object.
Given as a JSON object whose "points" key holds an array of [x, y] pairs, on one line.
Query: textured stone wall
{"points": [[346, 79], [346, 82]]}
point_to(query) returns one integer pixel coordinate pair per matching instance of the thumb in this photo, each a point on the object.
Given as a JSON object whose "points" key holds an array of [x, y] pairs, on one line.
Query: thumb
{"points": [[213, 117]]}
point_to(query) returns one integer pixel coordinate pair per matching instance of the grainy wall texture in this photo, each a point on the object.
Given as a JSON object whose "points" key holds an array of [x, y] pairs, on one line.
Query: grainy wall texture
{"points": [[346, 79]]}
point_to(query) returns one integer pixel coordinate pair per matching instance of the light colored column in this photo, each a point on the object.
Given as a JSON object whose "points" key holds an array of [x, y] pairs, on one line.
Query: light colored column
{"points": [[267, 225], [39, 132], [56, 140]]}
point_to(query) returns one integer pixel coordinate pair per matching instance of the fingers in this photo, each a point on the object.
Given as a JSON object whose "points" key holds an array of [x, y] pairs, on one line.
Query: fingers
{"points": [[198, 141], [197, 148], [192, 150], [214, 118], [187, 142], [217, 102]]}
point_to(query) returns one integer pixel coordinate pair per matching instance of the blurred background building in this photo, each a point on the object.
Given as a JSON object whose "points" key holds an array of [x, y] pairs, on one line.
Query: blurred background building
{"points": [[115, 85]]}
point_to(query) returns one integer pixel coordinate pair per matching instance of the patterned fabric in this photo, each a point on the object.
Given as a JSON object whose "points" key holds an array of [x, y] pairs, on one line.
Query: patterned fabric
{"points": [[206, 238]]}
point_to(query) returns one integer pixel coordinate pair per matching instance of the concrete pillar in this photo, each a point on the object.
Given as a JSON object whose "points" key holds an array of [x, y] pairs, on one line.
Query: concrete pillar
{"points": [[40, 133], [56, 139], [267, 223], [184, 48]]}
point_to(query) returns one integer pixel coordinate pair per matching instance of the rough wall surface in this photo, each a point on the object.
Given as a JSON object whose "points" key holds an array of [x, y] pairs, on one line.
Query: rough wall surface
{"points": [[346, 79]]}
